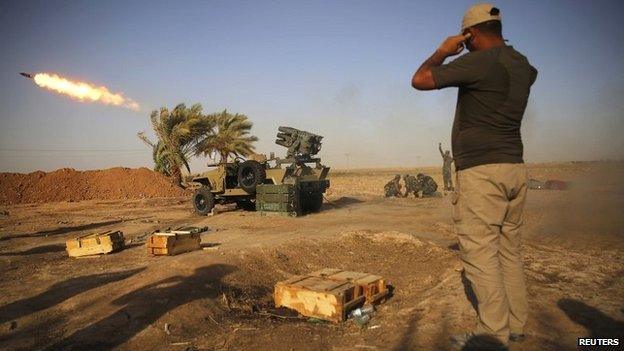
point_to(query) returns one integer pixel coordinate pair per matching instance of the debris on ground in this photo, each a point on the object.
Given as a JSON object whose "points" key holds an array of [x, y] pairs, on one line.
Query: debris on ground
{"points": [[361, 316], [535, 184], [556, 185], [548, 185]]}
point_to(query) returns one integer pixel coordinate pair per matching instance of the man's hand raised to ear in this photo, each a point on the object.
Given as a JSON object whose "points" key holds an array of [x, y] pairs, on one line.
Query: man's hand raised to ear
{"points": [[453, 45]]}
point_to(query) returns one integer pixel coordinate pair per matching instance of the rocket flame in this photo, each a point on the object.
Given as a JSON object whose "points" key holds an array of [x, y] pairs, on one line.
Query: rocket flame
{"points": [[83, 91]]}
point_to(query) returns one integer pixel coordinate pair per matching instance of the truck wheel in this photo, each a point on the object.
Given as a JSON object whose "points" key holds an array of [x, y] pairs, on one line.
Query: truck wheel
{"points": [[250, 174], [203, 200]]}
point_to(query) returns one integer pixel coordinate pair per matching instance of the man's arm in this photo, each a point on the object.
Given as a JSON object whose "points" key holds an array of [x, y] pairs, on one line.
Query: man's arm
{"points": [[440, 147], [423, 78]]}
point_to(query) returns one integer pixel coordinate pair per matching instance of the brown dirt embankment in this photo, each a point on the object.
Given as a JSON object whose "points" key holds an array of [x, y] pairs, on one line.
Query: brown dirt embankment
{"points": [[68, 184]]}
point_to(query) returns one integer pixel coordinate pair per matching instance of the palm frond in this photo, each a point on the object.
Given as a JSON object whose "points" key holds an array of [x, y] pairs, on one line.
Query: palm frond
{"points": [[231, 136]]}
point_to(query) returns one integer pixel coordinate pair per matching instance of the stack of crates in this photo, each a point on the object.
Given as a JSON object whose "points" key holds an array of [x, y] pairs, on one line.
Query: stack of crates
{"points": [[282, 199]]}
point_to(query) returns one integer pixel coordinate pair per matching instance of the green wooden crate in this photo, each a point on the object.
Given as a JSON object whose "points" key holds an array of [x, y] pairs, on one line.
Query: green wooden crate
{"points": [[283, 199], [276, 189], [277, 214], [276, 198]]}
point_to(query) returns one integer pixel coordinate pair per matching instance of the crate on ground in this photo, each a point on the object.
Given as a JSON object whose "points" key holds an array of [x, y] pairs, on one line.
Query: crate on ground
{"points": [[172, 243], [318, 297], [95, 244], [373, 287], [282, 199]]}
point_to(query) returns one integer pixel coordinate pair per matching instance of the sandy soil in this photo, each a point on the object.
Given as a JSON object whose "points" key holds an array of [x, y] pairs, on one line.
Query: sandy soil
{"points": [[67, 184], [220, 298]]}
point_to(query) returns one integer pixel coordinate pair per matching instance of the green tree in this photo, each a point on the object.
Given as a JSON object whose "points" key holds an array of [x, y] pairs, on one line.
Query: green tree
{"points": [[160, 157], [231, 137], [179, 132]]}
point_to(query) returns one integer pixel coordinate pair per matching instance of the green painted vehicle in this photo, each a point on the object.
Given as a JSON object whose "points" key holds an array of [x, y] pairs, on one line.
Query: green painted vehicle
{"points": [[239, 181]]}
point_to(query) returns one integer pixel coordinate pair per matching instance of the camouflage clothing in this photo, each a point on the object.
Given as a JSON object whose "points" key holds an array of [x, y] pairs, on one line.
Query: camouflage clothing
{"points": [[393, 187], [447, 161], [427, 185], [411, 185]]}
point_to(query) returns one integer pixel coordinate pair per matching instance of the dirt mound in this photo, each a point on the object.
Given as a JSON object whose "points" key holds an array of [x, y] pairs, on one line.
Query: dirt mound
{"points": [[391, 236], [68, 184]]}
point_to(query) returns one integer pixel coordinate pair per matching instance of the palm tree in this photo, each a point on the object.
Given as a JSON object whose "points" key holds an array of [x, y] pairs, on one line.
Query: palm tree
{"points": [[179, 131], [231, 137], [159, 155]]}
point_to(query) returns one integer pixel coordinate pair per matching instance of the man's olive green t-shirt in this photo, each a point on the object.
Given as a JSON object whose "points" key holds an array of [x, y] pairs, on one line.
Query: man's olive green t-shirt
{"points": [[494, 87]]}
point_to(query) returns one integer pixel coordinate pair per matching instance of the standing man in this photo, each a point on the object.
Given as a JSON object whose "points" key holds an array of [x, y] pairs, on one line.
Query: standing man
{"points": [[494, 82], [447, 160]]}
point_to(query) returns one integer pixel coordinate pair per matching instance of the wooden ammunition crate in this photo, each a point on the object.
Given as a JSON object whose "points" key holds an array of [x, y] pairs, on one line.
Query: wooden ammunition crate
{"points": [[95, 244], [318, 297], [172, 243], [373, 287], [280, 199], [188, 230]]}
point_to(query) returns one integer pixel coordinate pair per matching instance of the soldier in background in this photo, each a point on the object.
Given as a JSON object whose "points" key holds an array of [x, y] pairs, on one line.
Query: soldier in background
{"points": [[447, 160], [427, 185], [411, 185], [393, 187]]}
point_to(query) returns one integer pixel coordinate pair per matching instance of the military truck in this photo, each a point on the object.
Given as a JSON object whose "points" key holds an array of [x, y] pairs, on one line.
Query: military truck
{"points": [[293, 185]]}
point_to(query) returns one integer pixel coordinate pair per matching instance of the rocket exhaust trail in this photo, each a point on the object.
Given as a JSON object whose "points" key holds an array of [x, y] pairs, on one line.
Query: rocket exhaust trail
{"points": [[81, 91]]}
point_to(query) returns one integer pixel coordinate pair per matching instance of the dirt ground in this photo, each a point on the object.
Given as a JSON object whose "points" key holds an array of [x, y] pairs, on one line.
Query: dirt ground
{"points": [[220, 298], [67, 184]]}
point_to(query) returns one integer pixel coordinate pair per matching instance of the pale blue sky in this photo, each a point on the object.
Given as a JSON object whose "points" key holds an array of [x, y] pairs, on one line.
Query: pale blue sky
{"points": [[338, 68]]}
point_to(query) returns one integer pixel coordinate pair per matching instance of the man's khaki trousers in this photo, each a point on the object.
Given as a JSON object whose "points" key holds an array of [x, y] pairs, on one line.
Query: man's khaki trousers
{"points": [[488, 208]]}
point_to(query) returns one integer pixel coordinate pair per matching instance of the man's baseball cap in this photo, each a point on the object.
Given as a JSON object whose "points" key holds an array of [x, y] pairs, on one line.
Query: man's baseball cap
{"points": [[480, 13]]}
